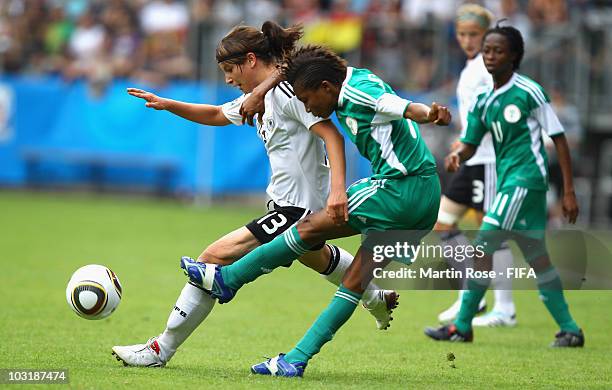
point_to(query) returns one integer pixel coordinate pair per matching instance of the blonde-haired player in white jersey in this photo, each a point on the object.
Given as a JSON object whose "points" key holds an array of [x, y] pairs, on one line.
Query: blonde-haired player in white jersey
{"points": [[300, 182], [473, 186]]}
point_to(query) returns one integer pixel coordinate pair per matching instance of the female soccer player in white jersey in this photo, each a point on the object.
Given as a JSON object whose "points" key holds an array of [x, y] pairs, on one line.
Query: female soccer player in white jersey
{"points": [[300, 181], [516, 110], [473, 186], [403, 192]]}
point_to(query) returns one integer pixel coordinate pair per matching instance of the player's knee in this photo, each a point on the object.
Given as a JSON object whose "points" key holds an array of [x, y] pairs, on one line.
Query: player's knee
{"points": [[213, 255], [535, 253], [307, 231], [318, 260], [443, 227], [446, 220], [540, 263]]}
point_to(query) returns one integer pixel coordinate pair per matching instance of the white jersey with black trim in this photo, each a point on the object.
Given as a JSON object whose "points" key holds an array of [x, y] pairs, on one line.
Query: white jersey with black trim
{"points": [[473, 81], [300, 172]]}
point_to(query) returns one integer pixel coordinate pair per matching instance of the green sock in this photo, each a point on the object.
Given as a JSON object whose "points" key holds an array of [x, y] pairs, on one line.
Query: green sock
{"points": [[551, 293], [264, 259], [333, 317], [469, 303]]}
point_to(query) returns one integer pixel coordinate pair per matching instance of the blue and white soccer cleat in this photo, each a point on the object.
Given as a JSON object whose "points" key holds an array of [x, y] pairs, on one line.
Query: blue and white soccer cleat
{"points": [[278, 366], [207, 277]]}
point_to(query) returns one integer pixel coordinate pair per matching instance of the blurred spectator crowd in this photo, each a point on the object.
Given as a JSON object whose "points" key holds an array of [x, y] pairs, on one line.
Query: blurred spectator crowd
{"points": [[410, 43], [97, 40]]}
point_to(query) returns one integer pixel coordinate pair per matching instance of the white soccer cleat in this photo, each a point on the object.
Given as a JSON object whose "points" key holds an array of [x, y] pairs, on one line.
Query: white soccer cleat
{"points": [[381, 307], [449, 315], [140, 355], [495, 318]]}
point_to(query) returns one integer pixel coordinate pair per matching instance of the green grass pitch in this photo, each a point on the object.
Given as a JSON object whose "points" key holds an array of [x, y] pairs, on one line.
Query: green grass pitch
{"points": [[44, 238]]}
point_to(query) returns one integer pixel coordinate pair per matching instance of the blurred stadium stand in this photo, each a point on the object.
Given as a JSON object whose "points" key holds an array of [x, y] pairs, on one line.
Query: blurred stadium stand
{"points": [[65, 119]]}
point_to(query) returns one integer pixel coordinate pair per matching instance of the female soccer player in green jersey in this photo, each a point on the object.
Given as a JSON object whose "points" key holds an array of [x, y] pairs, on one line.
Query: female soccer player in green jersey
{"points": [[515, 111], [402, 194], [473, 185]]}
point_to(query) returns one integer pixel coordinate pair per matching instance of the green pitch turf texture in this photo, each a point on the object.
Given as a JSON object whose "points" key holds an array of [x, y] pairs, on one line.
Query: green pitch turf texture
{"points": [[45, 237]]}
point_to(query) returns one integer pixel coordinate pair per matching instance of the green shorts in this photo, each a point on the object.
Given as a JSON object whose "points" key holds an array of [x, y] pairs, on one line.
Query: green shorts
{"points": [[409, 203], [517, 213]]}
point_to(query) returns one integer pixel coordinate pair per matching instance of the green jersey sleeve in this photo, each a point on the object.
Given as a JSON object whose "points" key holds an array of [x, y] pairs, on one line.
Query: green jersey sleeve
{"points": [[371, 115], [536, 96]]}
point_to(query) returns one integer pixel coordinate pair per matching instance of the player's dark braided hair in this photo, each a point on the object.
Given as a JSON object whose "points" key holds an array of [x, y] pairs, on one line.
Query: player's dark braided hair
{"points": [[514, 38], [311, 65], [270, 44]]}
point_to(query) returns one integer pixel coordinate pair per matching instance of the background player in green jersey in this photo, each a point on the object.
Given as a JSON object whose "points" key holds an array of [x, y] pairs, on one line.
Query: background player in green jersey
{"points": [[516, 111], [402, 193], [473, 185]]}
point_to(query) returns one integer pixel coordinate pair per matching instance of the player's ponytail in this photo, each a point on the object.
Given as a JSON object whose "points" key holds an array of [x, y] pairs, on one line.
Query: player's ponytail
{"points": [[270, 44], [281, 40]]}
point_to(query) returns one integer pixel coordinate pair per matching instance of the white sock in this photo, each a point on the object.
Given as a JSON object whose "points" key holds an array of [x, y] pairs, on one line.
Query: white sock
{"points": [[338, 264], [340, 261], [502, 260], [191, 308]]}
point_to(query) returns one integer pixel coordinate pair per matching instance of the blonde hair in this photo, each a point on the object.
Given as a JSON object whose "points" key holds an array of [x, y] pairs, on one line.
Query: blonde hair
{"points": [[476, 13]]}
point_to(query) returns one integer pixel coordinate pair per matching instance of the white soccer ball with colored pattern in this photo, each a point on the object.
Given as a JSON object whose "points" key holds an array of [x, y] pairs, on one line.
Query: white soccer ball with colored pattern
{"points": [[94, 292]]}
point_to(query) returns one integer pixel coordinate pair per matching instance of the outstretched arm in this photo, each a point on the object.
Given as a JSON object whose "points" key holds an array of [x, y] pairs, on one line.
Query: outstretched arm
{"points": [[254, 104], [205, 114], [337, 202], [422, 113], [570, 205]]}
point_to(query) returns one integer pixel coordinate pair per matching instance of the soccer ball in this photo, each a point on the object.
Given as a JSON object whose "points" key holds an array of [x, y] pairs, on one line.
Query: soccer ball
{"points": [[94, 292]]}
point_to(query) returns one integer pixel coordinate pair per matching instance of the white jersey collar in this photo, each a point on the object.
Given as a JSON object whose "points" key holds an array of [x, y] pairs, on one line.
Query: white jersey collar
{"points": [[506, 86], [496, 93], [349, 74]]}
